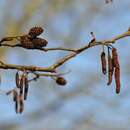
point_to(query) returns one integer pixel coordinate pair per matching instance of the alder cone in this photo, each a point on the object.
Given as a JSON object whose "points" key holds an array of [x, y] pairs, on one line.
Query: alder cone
{"points": [[103, 63], [35, 31], [61, 81], [39, 42], [26, 42]]}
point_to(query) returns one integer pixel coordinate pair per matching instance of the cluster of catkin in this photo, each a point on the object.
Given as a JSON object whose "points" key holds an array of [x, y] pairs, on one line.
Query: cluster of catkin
{"points": [[20, 92], [111, 66]]}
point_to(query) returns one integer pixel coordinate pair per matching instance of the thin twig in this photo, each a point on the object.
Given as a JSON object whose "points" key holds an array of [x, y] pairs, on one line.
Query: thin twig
{"points": [[74, 52]]}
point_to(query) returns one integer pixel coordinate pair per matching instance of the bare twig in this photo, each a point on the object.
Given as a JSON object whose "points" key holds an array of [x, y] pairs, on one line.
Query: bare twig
{"points": [[61, 61]]}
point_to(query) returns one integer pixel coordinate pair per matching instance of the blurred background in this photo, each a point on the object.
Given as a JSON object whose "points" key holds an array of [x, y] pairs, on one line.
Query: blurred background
{"points": [[86, 102]]}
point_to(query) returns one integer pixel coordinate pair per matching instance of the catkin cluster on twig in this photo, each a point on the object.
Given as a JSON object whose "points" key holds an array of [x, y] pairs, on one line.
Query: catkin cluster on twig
{"points": [[109, 62], [113, 67], [20, 92]]}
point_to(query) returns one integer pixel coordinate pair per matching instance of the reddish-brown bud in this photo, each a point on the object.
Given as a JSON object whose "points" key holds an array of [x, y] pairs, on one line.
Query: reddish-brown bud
{"points": [[103, 62], [35, 31], [61, 81]]}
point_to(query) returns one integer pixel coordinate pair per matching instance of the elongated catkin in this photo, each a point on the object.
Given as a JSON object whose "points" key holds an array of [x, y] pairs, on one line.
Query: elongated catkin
{"points": [[110, 69], [103, 63]]}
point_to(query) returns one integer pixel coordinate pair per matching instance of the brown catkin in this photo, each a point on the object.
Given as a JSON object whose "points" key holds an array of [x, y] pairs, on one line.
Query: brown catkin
{"points": [[103, 62], [16, 106], [39, 42], [61, 81], [115, 57], [110, 69], [117, 69], [22, 80], [26, 42], [35, 31], [26, 87], [21, 104], [16, 99], [117, 80], [15, 95], [17, 80]]}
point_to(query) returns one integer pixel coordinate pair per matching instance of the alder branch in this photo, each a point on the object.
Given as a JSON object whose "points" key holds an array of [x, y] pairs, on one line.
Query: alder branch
{"points": [[31, 42], [92, 43], [61, 61], [24, 67]]}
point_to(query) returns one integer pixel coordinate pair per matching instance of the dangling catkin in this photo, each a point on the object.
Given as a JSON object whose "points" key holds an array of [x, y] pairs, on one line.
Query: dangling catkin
{"points": [[21, 104], [26, 87], [117, 80], [117, 69], [103, 62], [17, 80], [110, 69]]}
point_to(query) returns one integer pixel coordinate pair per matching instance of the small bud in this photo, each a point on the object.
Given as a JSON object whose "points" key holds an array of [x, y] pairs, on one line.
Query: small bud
{"points": [[39, 42], [61, 81], [103, 62], [35, 31]]}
